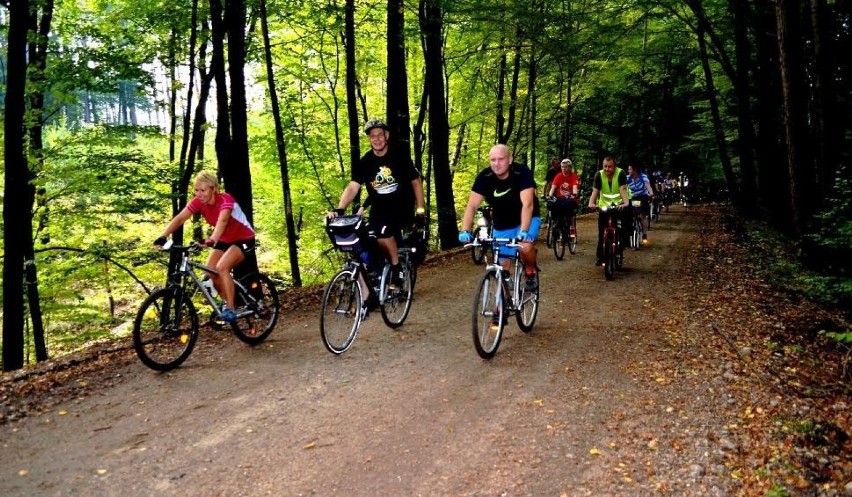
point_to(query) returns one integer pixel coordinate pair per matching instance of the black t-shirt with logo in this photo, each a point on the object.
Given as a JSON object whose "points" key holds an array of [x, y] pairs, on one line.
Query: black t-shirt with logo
{"points": [[504, 196], [388, 181]]}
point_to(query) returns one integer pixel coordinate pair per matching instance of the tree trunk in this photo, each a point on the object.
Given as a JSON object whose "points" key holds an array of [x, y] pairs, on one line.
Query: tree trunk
{"points": [[745, 126], [351, 84], [718, 128], [397, 99], [431, 23], [38, 51], [771, 178], [236, 170], [506, 126], [826, 128], [282, 152], [788, 91], [15, 226], [217, 68]]}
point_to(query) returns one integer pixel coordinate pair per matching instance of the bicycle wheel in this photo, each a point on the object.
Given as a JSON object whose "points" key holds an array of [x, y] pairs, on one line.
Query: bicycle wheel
{"points": [[636, 239], [257, 318], [528, 306], [165, 329], [572, 235], [477, 253], [489, 315], [398, 300], [610, 256], [551, 231], [560, 238], [340, 315]]}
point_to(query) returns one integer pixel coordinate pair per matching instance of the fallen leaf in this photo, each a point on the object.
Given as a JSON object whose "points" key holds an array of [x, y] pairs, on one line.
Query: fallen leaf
{"points": [[310, 445], [595, 452]]}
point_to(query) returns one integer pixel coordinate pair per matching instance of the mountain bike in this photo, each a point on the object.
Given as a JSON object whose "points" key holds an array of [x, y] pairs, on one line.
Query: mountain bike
{"points": [[613, 257], [344, 305], [499, 294], [564, 229], [482, 232], [637, 231], [166, 326]]}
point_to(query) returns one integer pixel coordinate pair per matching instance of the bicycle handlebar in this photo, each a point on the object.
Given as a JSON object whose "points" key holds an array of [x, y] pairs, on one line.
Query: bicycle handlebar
{"points": [[510, 242], [192, 248]]}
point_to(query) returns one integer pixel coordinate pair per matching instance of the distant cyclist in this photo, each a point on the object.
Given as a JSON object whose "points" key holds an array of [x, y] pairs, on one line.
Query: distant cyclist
{"points": [[510, 190], [232, 239], [610, 188], [555, 168], [639, 187], [566, 189]]}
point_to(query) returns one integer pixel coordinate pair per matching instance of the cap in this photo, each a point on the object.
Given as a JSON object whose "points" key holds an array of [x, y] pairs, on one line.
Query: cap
{"points": [[567, 162], [374, 123]]}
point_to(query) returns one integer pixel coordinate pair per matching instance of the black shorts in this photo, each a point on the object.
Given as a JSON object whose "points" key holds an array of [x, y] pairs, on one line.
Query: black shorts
{"points": [[386, 227], [246, 246]]}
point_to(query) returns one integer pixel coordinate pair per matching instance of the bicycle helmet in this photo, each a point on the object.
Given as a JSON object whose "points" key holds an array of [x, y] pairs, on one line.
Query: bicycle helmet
{"points": [[374, 123], [567, 162]]}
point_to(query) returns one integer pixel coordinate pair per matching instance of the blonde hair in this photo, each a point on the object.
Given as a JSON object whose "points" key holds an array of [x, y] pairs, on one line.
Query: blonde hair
{"points": [[208, 178]]}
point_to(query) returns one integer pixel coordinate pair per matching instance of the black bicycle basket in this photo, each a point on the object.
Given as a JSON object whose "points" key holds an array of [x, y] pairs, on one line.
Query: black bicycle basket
{"points": [[348, 233]]}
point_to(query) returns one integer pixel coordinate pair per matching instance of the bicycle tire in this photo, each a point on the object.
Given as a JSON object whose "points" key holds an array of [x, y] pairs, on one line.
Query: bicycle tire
{"points": [[165, 329], [551, 232], [528, 308], [636, 239], [397, 301], [477, 253], [340, 313], [609, 256], [572, 240], [258, 317], [559, 240], [489, 315]]}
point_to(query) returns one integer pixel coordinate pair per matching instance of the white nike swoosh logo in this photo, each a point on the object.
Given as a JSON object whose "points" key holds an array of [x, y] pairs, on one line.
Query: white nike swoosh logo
{"points": [[500, 194]]}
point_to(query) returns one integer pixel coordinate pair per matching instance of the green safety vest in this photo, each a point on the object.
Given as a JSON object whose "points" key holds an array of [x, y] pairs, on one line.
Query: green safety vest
{"points": [[610, 193]]}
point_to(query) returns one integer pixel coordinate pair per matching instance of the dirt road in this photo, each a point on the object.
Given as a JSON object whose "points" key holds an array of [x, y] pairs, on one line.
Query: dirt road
{"points": [[595, 401]]}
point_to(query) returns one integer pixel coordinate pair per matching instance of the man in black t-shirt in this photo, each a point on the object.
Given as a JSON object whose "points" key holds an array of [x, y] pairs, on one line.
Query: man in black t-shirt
{"points": [[510, 190], [393, 188]]}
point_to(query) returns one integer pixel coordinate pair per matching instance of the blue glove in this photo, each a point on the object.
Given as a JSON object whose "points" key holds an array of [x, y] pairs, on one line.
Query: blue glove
{"points": [[524, 236], [465, 237]]}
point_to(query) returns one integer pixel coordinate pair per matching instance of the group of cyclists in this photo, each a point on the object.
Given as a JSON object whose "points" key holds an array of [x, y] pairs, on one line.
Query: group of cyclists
{"points": [[394, 187]]}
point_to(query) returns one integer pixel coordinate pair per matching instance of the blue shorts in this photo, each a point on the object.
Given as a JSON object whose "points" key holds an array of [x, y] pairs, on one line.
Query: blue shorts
{"points": [[535, 227]]}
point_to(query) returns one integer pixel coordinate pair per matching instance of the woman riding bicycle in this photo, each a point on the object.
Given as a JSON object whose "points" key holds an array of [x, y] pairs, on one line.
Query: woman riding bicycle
{"points": [[639, 188], [232, 240]]}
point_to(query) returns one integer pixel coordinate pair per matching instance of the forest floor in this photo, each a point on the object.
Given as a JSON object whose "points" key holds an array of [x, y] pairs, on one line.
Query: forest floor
{"points": [[688, 375]]}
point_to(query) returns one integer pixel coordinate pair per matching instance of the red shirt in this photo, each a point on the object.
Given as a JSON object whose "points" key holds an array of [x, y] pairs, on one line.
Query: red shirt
{"points": [[565, 184], [238, 227]]}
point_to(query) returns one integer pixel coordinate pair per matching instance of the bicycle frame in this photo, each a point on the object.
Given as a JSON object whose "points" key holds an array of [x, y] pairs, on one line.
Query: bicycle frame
{"points": [[185, 273], [494, 265]]}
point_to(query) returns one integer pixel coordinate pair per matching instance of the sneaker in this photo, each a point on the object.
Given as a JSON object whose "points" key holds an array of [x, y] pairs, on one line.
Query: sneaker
{"points": [[397, 276], [531, 283], [598, 261], [365, 312], [228, 315]]}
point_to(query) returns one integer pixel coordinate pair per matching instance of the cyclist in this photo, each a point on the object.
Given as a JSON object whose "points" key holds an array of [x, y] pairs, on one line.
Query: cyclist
{"points": [[610, 186], [639, 188], [510, 190], [566, 188], [393, 187], [232, 240], [550, 175]]}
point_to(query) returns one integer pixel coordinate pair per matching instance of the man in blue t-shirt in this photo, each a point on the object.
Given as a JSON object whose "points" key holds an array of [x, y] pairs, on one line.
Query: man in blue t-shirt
{"points": [[510, 190]]}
